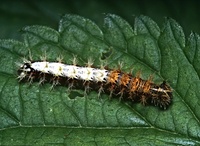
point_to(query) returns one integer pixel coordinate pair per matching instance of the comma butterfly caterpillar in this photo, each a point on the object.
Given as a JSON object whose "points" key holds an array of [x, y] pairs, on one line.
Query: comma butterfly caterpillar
{"points": [[112, 81]]}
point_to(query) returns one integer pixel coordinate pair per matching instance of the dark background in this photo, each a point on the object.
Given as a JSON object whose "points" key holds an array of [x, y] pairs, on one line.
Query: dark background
{"points": [[16, 14]]}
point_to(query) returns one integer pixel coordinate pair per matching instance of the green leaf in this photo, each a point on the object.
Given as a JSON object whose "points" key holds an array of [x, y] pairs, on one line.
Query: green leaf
{"points": [[33, 114]]}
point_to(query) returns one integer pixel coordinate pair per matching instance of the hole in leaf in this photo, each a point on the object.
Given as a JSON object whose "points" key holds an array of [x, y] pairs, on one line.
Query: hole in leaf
{"points": [[106, 54], [75, 94]]}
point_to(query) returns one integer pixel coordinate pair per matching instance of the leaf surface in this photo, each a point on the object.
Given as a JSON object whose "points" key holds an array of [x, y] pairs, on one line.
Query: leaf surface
{"points": [[44, 116]]}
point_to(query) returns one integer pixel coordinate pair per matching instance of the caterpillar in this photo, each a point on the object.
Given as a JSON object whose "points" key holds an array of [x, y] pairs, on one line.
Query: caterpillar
{"points": [[113, 81]]}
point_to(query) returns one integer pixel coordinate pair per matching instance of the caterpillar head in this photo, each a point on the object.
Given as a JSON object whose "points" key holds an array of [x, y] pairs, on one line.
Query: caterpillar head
{"points": [[24, 70]]}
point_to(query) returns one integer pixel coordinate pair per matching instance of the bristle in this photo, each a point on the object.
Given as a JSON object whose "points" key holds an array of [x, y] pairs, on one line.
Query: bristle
{"points": [[120, 65], [60, 59], [89, 63], [44, 57], [74, 60]]}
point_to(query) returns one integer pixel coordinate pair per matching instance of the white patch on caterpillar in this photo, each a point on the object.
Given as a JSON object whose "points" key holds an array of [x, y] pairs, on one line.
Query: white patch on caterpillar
{"points": [[59, 69]]}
